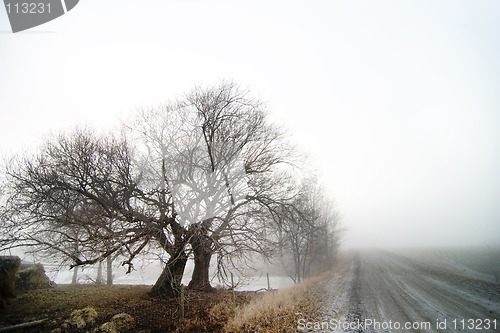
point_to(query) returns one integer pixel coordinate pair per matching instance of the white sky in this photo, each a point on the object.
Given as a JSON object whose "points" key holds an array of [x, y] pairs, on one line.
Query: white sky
{"points": [[397, 102]]}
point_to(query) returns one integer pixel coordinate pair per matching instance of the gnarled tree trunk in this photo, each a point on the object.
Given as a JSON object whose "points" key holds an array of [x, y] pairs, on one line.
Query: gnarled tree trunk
{"points": [[201, 244], [169, 282], [200, 279]]}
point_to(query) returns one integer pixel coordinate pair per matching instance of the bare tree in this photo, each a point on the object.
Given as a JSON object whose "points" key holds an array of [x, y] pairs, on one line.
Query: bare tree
{"points": [[222, 155], [309, 232], [87, 183]]}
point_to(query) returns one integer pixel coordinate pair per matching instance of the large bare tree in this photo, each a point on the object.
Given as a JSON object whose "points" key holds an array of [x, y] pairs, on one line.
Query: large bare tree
{"points": [[222, 156]]}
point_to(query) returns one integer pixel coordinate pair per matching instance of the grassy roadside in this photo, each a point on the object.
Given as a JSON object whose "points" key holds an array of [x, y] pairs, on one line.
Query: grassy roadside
{"points": [[280, 311], [276, 311]]}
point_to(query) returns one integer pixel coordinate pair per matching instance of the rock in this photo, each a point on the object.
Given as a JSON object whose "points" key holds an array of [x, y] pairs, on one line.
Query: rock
{"points": [[80, 319], [9, 265], [121, 322], [32, 278]]}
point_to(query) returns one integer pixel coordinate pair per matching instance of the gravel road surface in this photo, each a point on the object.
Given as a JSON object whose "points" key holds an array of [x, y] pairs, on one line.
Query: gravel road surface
{"points": [[381, 291]]}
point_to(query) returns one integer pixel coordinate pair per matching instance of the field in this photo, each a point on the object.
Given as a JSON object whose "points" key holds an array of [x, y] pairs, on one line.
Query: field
{"points": [[150, 314], [217, 311], [475, 262]]}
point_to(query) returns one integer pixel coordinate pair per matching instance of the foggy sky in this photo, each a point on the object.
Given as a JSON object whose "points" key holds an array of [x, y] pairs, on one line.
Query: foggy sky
{"points": [[396, 102]]}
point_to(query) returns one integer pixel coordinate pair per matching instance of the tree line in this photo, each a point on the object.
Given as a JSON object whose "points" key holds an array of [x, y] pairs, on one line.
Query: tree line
{"points": [[207, 177]]}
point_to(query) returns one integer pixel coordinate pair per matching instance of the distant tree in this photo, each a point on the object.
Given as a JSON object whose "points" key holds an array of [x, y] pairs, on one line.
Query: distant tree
{"points": [[109, 270], [308, 232]]}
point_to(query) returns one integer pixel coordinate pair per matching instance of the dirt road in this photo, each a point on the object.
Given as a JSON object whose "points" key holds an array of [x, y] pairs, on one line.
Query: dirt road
{"points": [[380, 291]]}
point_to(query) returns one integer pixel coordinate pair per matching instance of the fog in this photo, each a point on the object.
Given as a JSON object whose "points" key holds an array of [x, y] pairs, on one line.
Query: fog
{"points": [[395, 103]]}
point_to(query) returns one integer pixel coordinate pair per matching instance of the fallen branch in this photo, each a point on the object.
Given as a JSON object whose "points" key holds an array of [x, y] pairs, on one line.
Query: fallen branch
{"points": [[23, 325]]}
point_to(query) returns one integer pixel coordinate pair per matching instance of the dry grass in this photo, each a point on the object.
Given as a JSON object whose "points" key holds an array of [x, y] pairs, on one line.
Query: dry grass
{"points": [[217, 311], [277, 311]]}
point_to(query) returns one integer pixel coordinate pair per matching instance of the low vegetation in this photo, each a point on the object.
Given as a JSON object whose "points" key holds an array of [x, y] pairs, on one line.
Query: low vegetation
{"points": [[216, 311], [277, 311]]}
